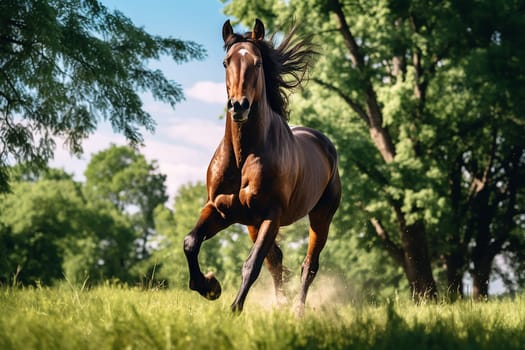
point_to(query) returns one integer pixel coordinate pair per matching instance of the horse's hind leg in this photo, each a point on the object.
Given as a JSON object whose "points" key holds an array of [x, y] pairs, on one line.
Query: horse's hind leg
{"points": [[274, 263], [318, 234], [320, 219]]}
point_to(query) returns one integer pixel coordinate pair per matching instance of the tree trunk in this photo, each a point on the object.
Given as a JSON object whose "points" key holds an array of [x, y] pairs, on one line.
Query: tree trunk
{"points": [[415, 257], [417, 263], [494, 218], [455, 256], [481, 278], [454, 267], [481, 255]]}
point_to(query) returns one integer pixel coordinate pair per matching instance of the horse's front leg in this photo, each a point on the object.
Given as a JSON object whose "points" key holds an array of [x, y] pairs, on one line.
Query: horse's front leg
{"points": [[210, 222], [252, 266], [274, 262]]}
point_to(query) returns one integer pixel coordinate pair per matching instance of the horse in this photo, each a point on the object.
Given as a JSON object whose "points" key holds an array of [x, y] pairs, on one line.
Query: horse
{"points": [[265, 174]]}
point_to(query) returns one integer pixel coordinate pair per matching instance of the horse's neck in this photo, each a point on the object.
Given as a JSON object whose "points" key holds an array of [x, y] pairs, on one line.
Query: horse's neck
{"points": [[250, 137]]}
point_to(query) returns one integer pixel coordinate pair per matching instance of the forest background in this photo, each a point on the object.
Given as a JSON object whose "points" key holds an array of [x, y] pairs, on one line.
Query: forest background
{"points": [[423, 99]]}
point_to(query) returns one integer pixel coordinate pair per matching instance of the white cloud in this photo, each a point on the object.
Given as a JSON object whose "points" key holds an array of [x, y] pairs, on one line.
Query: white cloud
{"points": [[201, 134], [186, 156], [102, 139], [208, 91]]}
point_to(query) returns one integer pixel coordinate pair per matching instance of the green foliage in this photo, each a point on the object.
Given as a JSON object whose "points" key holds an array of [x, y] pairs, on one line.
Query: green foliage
{"points": [[48, 232], [52, 227], [116, 317], [66, 65], [121, 181], [40, 221], [122, 178]]}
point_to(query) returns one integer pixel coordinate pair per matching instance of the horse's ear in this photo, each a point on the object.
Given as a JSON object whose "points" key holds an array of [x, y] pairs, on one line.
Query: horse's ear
{"points": [[227, 30], [258, 30]]}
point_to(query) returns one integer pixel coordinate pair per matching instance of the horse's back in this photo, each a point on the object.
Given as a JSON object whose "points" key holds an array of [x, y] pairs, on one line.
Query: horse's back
{"points": [[314, 143]]}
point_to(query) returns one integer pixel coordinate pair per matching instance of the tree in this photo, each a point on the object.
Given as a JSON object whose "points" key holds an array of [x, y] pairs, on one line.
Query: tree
{"points": [[407, 90], [486, 189], [40, 220], [66, 65], [48, 231], [121, 177], [109, 252]]}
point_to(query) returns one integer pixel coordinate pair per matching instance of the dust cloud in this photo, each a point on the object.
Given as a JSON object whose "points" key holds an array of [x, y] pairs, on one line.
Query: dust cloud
{"points": [[326, 292]]}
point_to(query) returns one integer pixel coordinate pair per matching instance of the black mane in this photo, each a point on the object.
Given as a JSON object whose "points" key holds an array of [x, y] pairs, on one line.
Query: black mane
{"points": [[284, 66]]}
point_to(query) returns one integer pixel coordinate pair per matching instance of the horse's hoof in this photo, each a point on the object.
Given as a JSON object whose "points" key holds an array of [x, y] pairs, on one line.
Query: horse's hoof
{"points": [[236, 309], [214, 287]]}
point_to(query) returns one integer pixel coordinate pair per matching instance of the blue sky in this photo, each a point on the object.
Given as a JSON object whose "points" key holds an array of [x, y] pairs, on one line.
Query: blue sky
{"points": [[185, 138], [196, 20]]}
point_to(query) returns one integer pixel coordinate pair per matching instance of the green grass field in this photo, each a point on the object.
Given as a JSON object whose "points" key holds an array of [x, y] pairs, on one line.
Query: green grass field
{"points": [[125, 318]]}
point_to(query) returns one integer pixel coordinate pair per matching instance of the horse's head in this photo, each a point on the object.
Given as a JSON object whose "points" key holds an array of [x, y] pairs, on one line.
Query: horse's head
{"points": [[244, 71]]}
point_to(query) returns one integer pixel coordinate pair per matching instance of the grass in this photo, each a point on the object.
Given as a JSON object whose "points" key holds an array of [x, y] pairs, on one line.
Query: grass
{"points": [[114, 317]]}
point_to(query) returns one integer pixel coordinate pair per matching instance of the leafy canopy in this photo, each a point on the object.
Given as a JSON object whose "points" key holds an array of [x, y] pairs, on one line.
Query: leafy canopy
{"points": [[65, 65]]}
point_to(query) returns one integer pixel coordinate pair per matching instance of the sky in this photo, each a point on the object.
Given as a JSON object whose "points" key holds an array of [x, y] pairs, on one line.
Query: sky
{"points": [[185, 137]]}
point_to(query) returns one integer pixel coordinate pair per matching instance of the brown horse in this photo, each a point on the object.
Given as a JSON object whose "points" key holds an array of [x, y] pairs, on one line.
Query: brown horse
{"points": [[264, 174]]}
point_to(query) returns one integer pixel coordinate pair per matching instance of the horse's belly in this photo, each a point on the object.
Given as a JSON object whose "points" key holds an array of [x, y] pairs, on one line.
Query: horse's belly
{"points": [[298, 209]]}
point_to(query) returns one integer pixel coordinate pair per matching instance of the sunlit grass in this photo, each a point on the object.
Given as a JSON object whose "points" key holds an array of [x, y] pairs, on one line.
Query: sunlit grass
{"points": [[114, 317]]}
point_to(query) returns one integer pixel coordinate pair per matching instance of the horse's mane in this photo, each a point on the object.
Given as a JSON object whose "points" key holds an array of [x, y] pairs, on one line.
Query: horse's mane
{"points": [[285, 66]]}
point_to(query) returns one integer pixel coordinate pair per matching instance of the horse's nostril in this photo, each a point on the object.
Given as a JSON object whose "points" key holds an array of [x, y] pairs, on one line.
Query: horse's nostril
{"points": [[236, 106], [245, 104]]}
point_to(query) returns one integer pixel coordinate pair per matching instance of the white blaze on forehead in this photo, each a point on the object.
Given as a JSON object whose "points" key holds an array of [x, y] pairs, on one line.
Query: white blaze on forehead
{"points": [[243, 52]]}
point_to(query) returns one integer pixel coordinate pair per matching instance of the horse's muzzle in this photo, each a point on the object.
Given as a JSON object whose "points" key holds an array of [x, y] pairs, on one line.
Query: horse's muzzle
{"points": [[240, 117], [239, 110]]}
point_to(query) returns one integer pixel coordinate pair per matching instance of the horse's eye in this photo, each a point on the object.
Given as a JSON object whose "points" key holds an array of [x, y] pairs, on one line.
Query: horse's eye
{"points": [[225, 64], [258, 64]]}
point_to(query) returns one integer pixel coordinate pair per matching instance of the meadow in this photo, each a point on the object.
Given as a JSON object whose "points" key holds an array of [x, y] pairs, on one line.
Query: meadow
{"points": [[118, 317]]}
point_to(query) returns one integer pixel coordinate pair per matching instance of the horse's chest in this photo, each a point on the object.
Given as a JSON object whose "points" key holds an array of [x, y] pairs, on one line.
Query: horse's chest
{"points": [[254, 188], [251, 186]]}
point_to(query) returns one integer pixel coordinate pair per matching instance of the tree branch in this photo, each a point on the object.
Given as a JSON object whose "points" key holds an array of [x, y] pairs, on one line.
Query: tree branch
{"points": [[354, 105], [508, 222], [351, 44], [420, 88], [372, 172], [7, 39], [378, 133], [477, 184], [392, 248]]}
